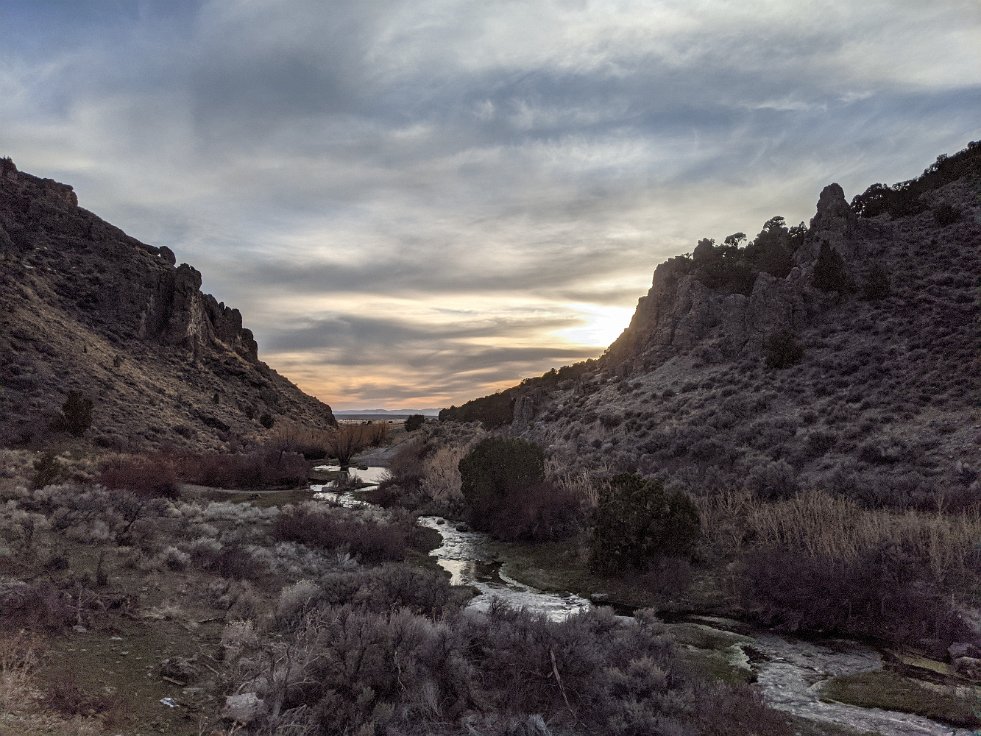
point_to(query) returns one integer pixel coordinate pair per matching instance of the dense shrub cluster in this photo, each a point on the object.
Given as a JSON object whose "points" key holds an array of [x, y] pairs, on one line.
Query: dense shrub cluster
{"points": [[317, 525], [503, 482], [904, 199], [347, 440], [496, 410], [307, 441], [822, 563], [413, 422], [783, 350], [887, 592], [34, 606], [354, 670], [638, 523], [732, 268], [261, 468], [499, 471], [150, 476]]}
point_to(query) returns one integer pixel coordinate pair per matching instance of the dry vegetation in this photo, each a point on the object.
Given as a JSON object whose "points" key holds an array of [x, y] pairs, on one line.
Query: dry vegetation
{"points": [[318, 619], [821, 525], [812, 561]]}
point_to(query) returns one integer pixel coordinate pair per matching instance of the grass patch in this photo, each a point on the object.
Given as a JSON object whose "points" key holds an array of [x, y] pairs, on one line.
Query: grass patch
{"points": [[892, 691], [564, 566], [716, 665]]}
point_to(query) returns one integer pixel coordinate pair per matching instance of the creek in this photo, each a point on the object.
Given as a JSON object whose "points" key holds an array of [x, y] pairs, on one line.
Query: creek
{"points": [[788, 671]]}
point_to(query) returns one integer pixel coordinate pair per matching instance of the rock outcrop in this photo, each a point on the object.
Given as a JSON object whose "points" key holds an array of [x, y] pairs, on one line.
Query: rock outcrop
{"points": [[85, 307], [880, 356]]}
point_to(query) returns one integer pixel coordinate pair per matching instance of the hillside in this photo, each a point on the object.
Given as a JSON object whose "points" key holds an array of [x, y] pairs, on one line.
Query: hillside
{"points": [[840, 355], [86, 308]]}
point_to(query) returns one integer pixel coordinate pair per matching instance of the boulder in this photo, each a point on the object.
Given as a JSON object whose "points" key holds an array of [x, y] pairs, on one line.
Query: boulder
{"points": [[964, 649], [243, 708], [969, 667]]}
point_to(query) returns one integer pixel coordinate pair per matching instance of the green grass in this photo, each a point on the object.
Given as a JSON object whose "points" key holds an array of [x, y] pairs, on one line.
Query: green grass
{"points": [[561, 566], [716, 665], [892, 691]]}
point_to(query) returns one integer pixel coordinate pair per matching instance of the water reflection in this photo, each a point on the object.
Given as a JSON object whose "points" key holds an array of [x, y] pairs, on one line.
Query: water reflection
{"points": [[465, 556], [372, 475]]}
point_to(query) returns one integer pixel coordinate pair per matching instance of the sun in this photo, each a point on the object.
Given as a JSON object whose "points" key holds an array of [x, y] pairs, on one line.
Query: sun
{"points": [[598, 325]]}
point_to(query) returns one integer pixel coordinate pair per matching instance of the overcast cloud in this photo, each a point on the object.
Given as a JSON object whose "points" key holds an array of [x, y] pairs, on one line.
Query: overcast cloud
{"points": [[420, 202]]}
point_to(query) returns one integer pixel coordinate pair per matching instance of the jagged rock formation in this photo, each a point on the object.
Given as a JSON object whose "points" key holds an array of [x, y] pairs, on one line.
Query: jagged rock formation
{"points": [[884, 403], [85, 307]]}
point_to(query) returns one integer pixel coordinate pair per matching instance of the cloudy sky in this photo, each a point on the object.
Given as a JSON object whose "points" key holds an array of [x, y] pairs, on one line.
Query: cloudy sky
{"points": [[417, 202]]}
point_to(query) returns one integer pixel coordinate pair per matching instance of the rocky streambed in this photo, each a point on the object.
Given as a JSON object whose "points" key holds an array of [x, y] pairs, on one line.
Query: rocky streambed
{"points": [[790, 672]]}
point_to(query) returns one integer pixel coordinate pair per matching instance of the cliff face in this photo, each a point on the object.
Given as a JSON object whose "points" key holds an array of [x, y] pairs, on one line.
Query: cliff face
{"points": [[85, 307], [883, 400]]}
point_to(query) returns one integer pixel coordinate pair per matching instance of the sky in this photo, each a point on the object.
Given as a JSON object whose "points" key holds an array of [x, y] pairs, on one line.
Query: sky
{"points": [[418, 202]]}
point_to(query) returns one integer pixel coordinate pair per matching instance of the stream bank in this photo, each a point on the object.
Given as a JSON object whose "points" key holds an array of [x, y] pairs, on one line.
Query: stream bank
{"points": [[790, 672]]}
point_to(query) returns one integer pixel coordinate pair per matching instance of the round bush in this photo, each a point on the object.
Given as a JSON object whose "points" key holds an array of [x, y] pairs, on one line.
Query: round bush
{"points": [[497, 471], [638, 523]]}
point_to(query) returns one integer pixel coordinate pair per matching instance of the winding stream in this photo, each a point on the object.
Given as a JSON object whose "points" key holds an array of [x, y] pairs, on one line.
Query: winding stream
{"points": [[788, 671]]}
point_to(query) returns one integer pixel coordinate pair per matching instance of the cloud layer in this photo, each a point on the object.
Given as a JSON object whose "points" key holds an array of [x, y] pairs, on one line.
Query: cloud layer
{"points": [[420, 202]]}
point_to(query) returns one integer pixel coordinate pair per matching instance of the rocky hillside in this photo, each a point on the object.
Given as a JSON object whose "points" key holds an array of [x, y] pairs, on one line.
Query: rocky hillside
{"points": [[86, 308], [842, 355]]}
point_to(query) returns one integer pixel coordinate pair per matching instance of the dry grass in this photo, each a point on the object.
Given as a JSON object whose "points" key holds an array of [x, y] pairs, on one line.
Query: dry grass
{"points": [[21, 706], [19, 657], [821, 525], [581, 484], [309, 441], [347, 440], [440, 479]]}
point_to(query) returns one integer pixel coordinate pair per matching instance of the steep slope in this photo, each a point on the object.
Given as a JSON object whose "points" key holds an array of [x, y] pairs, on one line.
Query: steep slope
{"points": [[84, 307], [706, 388]]}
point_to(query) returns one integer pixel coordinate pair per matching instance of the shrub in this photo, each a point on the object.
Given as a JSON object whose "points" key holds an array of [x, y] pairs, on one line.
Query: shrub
{"points": [[498, 471], [347, 440], [830, 273], [47, 471], [68, 698], [637, 523], [772, 480], [76, 415], [33, 606], [307, 441], [154, 477], [946, 214], [876, 284], [496, 410], [543, 512], [783, 350], [503, 672], [884, 592], [413, 422], [263, 468], [373, 541]]}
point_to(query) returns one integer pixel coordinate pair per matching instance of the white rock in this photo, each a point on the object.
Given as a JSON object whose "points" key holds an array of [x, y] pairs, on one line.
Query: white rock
{"points": [[243, 708]]}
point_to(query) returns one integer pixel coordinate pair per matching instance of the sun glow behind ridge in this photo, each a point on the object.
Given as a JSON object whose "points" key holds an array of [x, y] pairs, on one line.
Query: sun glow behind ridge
{"points": [[599, 325]]}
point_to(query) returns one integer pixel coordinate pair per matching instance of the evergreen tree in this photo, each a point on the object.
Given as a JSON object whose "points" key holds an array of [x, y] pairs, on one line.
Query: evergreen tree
{"points": [[830, 273]]}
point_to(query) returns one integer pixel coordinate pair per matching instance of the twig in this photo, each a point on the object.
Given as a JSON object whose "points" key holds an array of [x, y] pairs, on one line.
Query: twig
{"points": [[558, 679]]}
